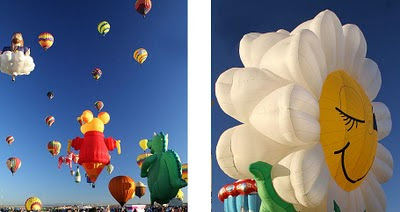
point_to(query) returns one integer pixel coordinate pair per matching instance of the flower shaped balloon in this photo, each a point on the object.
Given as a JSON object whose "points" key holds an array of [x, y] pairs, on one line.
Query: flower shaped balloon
{"points": [[305, 101]]}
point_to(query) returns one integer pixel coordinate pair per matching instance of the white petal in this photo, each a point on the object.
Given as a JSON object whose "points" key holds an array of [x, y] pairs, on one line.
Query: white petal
{"points": [[223, 92], [249, 87], [288, 115], [383, 164], [262, 44], [298, 58], [282, 31], [346, 201], [302, 177], [238, 90], [241, 146], [370, 78], [326, 25], [355, 49], [245, 48], [383, 119], [374, 196]]}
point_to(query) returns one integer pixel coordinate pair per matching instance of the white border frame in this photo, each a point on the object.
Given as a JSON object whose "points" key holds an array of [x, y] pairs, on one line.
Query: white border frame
{"points": [[199, 105]]}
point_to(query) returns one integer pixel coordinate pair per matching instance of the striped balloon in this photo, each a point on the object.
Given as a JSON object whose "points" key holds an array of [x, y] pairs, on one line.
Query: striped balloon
{"points": [[50, 120], [96, 73], [33, 204], [10, 139], [103, 27], [143, 7], [46, 40], [140, 55], [54, 147], [99, 105], [13, 164], [185, 172], [140, 159]]}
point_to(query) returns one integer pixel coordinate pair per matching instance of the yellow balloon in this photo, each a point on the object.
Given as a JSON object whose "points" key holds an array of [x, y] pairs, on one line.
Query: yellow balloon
{"points": [[33, 204], [143, 144]]}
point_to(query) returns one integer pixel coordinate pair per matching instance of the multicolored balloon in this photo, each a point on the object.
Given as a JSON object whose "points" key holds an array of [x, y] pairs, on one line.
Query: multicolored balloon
{"points": [[143, 7], [10, 139], [13, 164], [96, 73], [141, 158], [54, 148], [79, 120], [185, 172], [140, 55], [140, 189], [33, 204], [50, 120], [99, 105], [110, 168], [50, 95], [103, 27], [46, 40]]}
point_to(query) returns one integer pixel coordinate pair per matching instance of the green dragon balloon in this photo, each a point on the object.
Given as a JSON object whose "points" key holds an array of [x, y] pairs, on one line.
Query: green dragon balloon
{"points": [[162, 169]]}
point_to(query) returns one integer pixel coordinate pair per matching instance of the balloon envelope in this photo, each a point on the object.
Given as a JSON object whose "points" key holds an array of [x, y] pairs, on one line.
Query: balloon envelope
{"points": [[141, 158], [143, 7], [54, 147], [50, 95], [13, 164], [103, 27], [50, 120], [140, 55], [99, 105], [46, 40], [122, 188], [96, 73], [10, 139], [33, 204], [140, 189]]}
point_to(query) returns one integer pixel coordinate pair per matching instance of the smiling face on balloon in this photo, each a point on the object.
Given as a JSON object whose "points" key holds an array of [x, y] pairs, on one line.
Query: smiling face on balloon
{"points": [[348, 130]]}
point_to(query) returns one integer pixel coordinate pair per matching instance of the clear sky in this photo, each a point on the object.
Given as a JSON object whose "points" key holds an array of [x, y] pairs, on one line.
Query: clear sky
{"points": [[139, 99], [378, 20]]}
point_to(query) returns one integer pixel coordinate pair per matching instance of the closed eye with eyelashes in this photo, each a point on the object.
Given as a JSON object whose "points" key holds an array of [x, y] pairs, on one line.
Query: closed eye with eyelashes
{"points": [[348, 118]]}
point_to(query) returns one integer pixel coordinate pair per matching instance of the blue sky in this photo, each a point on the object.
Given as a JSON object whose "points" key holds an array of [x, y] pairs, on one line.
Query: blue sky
{"points": [[139, 99], [378, 20]]}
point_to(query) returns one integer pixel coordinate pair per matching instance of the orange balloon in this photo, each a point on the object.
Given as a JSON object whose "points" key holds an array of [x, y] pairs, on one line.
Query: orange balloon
{"points": [[122, 188]]}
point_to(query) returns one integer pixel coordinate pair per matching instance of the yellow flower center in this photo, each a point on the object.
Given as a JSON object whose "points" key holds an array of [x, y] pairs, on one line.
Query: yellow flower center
{"points": [[348, 130]]}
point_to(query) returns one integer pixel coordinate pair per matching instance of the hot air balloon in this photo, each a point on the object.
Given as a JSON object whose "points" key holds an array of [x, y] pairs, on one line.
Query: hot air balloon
{"points": [[96, 73], [103, 27], [10, 139], [46, 40], [13, 164], [140, 189], [54, 147], [50, 120], [50, 95], [185, 172], [143, 7], [33, 204], [122, 188], [77, 175], [141, 158], [140, 55], [99, 105], [94, 147], [79, 120], [110, 168]]}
